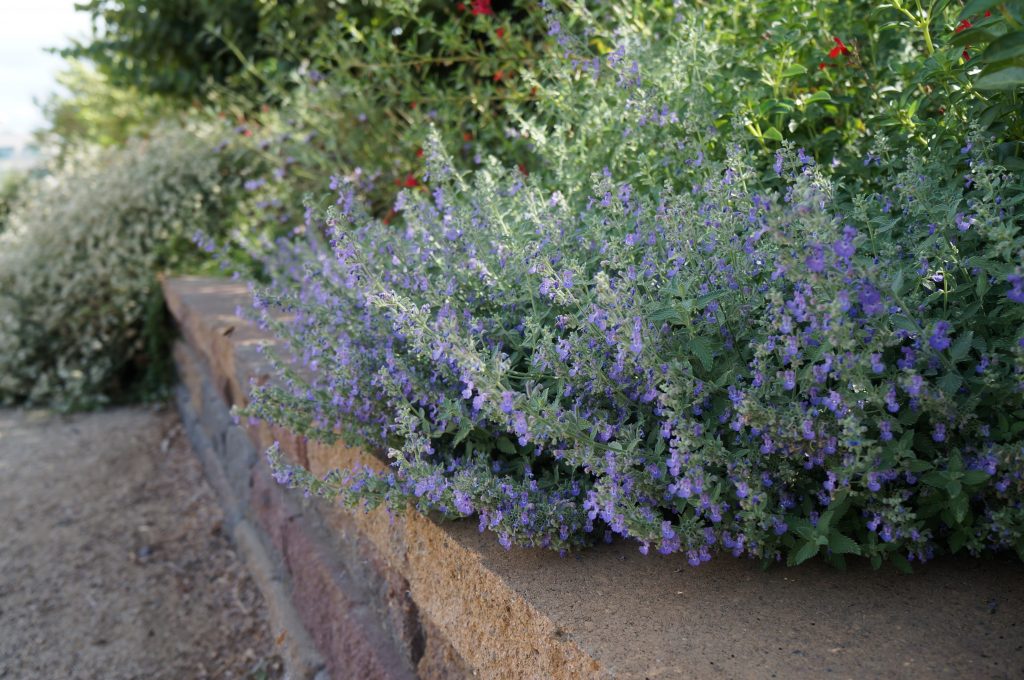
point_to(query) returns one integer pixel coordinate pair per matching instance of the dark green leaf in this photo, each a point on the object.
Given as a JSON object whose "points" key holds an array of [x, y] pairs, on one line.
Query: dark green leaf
{"points": [[839, 543], [975, 7], [505, 445], [808, 550], [962, 346], [972, 477], [702, 350], [950, 383], [901, 563], [1009, 46], [1006, 78]]}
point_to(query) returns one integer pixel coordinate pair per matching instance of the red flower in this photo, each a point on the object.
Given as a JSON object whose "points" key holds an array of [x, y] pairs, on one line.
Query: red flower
{"points": [[966, 56], [498, 75], [964, 25], [522, 169], [988, 13], [840, 48], [822, 66], [410, 181], [419, 153], [467, 136], [482, 8], [500, 32], [461, 7]]}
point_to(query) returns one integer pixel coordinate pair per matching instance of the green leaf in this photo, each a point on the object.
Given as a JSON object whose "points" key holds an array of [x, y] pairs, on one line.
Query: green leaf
{"points": [[959, 505], [950, 383], [957, 540], [901, 563], [962, 346], [839, 543], [936, 479], [973, 477], [505, 445], [466, 428], [808, 550], [918, 466], [905, 323], [794, 70], [897, 283], [702, 350], [1006, 78], [953, 488], [1009, 46], [703, 300], [773, 134], [976, 7], [819, 96]]}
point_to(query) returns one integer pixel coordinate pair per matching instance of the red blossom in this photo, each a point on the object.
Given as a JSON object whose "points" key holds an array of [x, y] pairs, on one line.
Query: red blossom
{"points": [[410, 180], [966, 56], [498, 75], [964, 25], [822, 66], [500, 32], [419, 153], [467, 136], [840, 48], [461, 7], [988, 13], [482, 8], [523, 170]]}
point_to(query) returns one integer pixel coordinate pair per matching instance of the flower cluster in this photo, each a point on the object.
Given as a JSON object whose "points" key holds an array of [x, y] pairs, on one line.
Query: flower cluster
{"points": [[685, 349]]}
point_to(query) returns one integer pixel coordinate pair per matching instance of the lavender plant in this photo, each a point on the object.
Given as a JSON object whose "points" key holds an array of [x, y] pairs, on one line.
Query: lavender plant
{"points": [[711, 354]]}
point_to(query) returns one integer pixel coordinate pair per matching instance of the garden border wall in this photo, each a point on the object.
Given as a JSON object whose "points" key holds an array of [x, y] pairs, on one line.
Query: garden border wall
{"points": [[365, 595]]}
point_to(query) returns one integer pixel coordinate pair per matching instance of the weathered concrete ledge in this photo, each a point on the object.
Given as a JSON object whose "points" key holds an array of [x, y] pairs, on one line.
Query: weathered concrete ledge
{"points": [[407, 597]]}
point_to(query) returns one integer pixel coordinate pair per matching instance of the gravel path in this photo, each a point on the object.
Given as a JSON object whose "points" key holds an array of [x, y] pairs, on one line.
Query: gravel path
{"points": [[113, 562]]}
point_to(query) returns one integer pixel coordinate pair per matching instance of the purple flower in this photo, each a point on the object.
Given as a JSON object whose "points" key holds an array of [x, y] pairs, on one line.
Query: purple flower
{"points": [[788, 380], [939, 433], [815, 261], [1016, 292], [506, 402], [876, 363], [871, 300], [939, 339], [964, 221]]}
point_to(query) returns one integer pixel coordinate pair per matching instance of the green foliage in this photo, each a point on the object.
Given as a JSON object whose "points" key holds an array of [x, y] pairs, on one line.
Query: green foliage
{"points": [[358, 105], [93, 112], [180, 48], [78, 263], [11, 186]]}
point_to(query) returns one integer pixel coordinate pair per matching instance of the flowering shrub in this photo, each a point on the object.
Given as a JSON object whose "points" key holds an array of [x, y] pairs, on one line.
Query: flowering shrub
{"points": [[721, 355], [78, 262]]}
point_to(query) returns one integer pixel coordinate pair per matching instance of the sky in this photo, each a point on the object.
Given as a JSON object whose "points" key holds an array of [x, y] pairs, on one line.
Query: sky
{"points": [[27, 27]]}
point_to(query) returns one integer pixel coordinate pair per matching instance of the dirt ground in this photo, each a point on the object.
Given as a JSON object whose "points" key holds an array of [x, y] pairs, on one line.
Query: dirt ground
{"points": [[113, 560]]}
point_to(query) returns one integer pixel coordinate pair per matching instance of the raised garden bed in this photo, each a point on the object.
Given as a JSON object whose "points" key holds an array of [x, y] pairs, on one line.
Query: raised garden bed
{"points": [[408, 597]]}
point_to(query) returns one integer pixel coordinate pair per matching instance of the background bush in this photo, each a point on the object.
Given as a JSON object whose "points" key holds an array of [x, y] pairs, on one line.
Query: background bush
{"points": [[78, 262]]}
